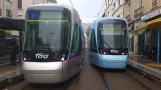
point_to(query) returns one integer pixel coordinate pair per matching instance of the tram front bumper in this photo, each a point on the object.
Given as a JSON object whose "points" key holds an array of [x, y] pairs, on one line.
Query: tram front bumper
{"points": [[42, 73], [43, 78], [114, 62]]}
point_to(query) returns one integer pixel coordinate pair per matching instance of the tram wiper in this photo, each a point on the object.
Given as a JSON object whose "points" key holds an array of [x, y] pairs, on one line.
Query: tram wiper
{"points": [[107, 44]]}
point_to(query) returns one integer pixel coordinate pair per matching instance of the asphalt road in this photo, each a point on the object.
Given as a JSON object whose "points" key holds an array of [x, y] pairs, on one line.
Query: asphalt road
{"points": [[90, 79]]}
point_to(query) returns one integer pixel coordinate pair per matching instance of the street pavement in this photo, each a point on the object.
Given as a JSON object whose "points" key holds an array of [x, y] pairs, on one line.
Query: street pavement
{"points": [[145, 65], [90, 79]]}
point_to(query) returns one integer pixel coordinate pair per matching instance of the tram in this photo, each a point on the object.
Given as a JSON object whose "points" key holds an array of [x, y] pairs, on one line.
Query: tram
{"points": [[108, 43], [53, 45]]}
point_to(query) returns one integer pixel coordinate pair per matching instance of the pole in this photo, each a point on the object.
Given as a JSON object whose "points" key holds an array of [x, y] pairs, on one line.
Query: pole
{"points": [[71, 3], [158, 46]]}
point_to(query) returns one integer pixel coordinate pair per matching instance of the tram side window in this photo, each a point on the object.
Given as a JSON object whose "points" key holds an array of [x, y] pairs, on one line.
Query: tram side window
{"points": [[75, 43], [80, 39], [93, 41]]}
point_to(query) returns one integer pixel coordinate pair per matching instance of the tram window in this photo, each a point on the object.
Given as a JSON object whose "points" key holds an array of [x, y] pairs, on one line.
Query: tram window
{"points": [[75, 42], [80, 39], [93, 43]]}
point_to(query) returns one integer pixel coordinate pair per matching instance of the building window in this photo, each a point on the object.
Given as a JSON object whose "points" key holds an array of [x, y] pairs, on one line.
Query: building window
{"points": [[0, 12], [139, 3], [108, 2], [154, 3], [114, 6], [118, 3], [20, 4], [8, 13], [129, 7], [9, 8]]}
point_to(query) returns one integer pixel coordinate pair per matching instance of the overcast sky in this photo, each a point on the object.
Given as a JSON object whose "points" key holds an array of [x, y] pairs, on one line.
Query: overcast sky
{"points": [[88, 9]]}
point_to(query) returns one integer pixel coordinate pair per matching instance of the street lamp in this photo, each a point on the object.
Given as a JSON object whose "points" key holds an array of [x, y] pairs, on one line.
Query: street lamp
{"points": [[71, 3]]}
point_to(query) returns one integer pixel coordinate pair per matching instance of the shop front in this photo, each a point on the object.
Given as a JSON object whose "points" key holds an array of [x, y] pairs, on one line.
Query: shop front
{"points": [[153, 25], [12, 28], [139, 38]]}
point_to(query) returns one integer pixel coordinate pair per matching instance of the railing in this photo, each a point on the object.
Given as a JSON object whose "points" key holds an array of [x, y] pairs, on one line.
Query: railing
{"points": [[128, 18], [154, 3], [138, 12]]}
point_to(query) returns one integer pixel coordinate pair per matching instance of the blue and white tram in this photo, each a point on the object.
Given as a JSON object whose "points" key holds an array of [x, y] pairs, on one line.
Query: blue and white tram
{"points": [[109, 43], [53, 44]]}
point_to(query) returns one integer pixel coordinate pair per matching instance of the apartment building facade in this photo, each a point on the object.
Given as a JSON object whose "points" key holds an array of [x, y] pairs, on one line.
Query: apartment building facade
{"points": [[114, 8], [142, 16], [24, 4], [8, 8], [133, 10]]}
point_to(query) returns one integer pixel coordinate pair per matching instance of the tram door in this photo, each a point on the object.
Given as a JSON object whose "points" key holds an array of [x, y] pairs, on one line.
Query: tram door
{"points": [[76, 49], [93, 49]]}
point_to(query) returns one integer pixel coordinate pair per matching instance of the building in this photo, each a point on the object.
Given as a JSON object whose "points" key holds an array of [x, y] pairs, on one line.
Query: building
{"points": [[114, 8], [8, 15], [8, 8], [133, 11], [24, 4], [144, 24]]}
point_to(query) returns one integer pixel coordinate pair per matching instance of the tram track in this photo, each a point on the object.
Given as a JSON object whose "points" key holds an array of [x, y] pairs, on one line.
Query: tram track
{"points": [[129, 79], [99, 70], [110, 77], [142, 84], [143, 78], [60, 86], [103, 80]]}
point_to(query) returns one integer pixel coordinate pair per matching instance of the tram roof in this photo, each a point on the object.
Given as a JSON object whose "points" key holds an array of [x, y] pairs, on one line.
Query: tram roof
{"points": [[104, 18], [51, 4], [54, 4]]}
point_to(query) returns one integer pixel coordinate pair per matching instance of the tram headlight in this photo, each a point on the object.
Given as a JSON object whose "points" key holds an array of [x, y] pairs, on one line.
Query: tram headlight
{"points": [[63, 57], [24, 59]]}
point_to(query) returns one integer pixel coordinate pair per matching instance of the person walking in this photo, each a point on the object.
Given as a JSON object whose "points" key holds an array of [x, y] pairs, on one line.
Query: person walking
{"points": [[13, 51]]}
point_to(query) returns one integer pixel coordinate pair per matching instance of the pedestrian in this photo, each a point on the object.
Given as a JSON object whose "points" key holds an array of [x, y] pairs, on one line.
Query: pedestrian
{"points": [[145, 52], [13, 51]]}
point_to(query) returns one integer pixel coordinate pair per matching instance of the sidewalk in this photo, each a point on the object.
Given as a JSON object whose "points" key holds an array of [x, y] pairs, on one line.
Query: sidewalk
{"points": [[5, 60], [10, 74], [148, 66]]}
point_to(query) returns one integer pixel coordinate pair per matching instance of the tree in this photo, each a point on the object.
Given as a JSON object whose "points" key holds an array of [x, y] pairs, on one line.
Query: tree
{"points": [[88, 30]]}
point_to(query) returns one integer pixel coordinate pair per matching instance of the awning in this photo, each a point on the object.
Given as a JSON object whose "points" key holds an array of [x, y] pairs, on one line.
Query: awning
{"points": [[11, 24], [139, 30], [151, 25], [154, 24]]}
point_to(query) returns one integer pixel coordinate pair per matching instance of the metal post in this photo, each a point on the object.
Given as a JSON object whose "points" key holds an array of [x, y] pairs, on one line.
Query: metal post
{"points": [[158, 46]]}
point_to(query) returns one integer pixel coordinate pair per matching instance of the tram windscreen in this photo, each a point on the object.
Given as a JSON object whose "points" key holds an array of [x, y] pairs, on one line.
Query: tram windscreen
{"points": [[112, 34], [47, 29]]}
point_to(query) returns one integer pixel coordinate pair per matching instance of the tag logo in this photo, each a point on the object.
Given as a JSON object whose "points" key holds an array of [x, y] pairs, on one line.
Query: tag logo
{"points": [[114, 51], [42, 56]]}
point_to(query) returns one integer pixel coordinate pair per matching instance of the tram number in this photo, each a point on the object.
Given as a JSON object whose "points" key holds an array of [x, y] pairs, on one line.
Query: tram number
{"points": [[114, 51], [41, 55]]}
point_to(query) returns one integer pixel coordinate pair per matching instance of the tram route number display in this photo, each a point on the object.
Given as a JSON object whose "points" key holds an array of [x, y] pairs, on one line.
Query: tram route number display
{"points": [[42, 55]]}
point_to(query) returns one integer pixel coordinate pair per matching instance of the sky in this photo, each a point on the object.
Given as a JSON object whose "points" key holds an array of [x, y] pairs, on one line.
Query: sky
{"points": [[87, 9]]}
